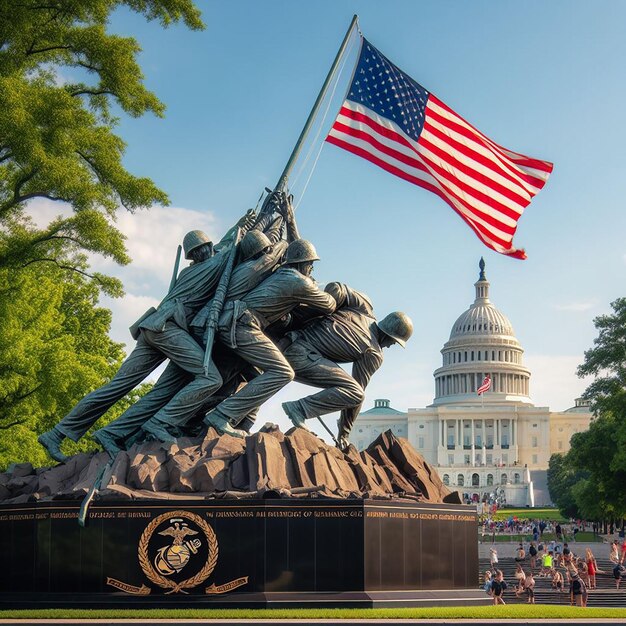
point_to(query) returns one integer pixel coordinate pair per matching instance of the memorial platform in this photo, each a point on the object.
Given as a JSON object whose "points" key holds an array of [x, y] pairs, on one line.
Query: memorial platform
{"points": [[260, 553]]}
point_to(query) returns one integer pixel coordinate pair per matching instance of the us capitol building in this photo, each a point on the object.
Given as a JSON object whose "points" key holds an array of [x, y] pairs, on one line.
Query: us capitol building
{"points": [[494, 446]]}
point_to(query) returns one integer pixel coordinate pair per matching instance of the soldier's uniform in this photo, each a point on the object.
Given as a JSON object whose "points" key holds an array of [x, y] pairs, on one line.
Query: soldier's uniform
{"points": [[163, 334], [241, 328], [349, 335], [244, 277]]}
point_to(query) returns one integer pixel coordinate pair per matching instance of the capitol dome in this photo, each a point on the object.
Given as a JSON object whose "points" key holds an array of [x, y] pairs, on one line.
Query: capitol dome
{"points": [[482, 344]]}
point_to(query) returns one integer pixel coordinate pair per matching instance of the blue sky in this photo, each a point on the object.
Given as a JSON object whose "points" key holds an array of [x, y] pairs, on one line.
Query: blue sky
{"points": [[542, 78]]}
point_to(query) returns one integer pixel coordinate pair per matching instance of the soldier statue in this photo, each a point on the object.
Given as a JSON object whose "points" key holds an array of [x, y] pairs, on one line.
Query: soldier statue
{"points": [[350, 335], [161, 333]]}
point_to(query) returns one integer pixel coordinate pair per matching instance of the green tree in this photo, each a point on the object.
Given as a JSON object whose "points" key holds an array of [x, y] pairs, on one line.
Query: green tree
{"points": [[62, 77], [607, 362], [593, 473], [562, 476], [57, 138]]}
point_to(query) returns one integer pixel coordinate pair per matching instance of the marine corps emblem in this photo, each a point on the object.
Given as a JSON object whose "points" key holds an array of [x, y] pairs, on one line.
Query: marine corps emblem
{"points": [[177, 551], [178, 544]]}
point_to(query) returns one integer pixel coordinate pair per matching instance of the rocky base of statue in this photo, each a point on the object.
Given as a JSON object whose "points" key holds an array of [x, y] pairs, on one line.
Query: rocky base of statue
{"points": [[268, 464]]}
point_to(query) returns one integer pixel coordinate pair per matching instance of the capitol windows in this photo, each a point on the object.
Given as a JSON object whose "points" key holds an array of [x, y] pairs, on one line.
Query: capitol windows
{"points": [[489, 480], [516, 478], [534, 459], [475, 480], [503, 479], [460, 480], [560, 445], [420, 442], [534, 442], [446, 479]]}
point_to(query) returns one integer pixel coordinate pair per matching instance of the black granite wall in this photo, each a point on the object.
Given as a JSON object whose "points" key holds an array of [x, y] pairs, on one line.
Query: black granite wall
{"points": [[230, 547]]}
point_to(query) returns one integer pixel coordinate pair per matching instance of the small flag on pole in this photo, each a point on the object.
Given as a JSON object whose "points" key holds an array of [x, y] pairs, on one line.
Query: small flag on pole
{"points": [[486, 386], [392, 121]]}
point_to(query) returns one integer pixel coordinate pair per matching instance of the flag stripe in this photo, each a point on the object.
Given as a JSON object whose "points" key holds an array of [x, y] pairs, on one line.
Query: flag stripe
{"points": [[481, 154], [417, 159], [498, 246], [421, 178], [486, 223], [385, 128], [544, 167], [523, 177], [393, 122], [474, 164], [373, 132]]}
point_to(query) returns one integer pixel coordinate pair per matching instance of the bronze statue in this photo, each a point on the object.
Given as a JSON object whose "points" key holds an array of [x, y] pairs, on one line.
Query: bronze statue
{"points": [[161, 333], [350, 335], [275, 324]]}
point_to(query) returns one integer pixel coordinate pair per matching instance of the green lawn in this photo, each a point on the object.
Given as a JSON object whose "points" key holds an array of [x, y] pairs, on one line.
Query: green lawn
{"points": [[552, 515], [486, 612]]}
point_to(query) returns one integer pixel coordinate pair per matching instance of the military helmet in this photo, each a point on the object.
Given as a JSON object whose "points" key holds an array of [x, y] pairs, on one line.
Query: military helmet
{"points": [[194, 239], [300, 251], [253, 242], [398, 326]]}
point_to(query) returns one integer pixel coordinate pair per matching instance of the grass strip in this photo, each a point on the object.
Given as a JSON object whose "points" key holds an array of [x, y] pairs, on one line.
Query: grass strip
{"points": [[515, 611], [553, 515]]}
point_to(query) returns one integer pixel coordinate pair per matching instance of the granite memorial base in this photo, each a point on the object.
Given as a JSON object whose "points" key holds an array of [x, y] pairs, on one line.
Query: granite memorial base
{"points": [[238, 553]]}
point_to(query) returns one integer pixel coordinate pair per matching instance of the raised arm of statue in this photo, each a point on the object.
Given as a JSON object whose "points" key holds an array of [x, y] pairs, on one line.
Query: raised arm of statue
{"points": [[348, 298], [243, 225], [285, 208]]}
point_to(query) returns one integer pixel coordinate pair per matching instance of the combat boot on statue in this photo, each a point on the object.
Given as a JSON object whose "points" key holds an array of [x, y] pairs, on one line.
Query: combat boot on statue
{"points": [[107, 442], [51, 441], [157, 431], [295, 413], [222, 425]]}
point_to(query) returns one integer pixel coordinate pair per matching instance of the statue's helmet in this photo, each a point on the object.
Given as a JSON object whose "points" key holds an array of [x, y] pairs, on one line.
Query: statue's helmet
{"points": [[398, 326], [194, 239], [300, 251], [253, 242]]}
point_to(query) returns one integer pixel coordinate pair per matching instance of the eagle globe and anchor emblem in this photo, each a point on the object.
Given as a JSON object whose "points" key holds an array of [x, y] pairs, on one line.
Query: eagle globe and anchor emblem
{"points": [[190, 548]]}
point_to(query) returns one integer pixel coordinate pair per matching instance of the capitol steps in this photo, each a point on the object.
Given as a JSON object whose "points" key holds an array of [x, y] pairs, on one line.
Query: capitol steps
{"points": [[604, 596]]}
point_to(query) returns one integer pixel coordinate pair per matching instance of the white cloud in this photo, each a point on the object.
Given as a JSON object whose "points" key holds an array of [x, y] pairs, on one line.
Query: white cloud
{"points": [[577, 306], [125, 311]]}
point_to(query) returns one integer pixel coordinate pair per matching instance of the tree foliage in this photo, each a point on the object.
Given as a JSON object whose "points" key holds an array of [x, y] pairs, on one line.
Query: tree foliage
{"points": [[56, 133], [561, 478], [54, 348], [593, 473], [62, 78]]}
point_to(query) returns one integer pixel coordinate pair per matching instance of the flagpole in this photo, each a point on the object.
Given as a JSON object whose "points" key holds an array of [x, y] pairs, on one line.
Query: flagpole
{"points": [[282, 181]]}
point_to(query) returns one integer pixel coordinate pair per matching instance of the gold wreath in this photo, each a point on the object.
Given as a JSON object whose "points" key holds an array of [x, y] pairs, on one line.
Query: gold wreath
{"points": [[154, 576]]}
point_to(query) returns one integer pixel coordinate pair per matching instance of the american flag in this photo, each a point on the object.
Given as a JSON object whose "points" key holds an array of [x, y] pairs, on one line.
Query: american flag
{"points": [[486, 386], [392, 121]]}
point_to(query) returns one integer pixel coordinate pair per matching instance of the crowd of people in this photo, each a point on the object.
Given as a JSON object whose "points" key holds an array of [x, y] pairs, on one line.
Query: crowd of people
{"points": [[556, 561], [490, 527]]}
